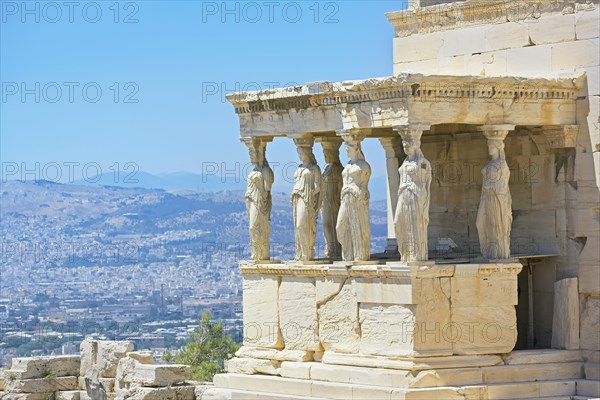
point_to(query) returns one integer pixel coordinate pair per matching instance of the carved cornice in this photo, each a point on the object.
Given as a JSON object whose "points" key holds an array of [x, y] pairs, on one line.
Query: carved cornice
{"points": [[479, 12], [406, 88], [387, 270]]}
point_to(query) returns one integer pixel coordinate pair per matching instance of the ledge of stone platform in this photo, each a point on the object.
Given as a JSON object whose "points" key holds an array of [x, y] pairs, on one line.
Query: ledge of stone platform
{"points": [[391, 269], [411, 364]]}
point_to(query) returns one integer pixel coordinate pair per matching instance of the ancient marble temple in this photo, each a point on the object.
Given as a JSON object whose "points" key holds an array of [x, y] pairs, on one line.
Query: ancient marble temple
{"points": [[489, 286]]}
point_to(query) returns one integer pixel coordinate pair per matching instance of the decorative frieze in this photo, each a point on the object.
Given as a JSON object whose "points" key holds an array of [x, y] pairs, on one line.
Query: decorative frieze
{"points": [[446, 16]]}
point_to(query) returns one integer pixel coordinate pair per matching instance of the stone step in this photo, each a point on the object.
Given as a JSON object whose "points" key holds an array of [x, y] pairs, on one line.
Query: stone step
{"points": [[233, 394], [278, 386], [541, 356], [531, 390], [588, 388], [432, 378], [532, 372], [381, 377]]}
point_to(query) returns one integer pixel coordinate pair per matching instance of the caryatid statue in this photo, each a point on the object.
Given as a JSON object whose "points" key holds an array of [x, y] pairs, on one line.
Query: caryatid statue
{"points": [[494, 217], [258, 199], [412, 211], [332, 195], [306, 200], [353, 228]]}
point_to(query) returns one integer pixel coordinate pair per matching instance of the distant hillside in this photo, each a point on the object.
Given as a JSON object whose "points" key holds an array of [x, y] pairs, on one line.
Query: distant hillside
{"points": [[200, 183], [176, 222]]}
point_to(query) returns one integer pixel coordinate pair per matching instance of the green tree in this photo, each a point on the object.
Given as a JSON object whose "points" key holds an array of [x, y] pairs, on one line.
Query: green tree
{"points": [[207, 350]]}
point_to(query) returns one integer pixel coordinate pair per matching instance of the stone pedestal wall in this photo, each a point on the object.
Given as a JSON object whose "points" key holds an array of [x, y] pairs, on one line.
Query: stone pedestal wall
{"points": [[390, 310]]}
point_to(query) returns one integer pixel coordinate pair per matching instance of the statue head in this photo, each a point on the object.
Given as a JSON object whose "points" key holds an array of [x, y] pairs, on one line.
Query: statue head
{"points": [[304, 149], [353, 149], [411, 146], [331, 150], [257, 151], [411, 141], [496, 148]]}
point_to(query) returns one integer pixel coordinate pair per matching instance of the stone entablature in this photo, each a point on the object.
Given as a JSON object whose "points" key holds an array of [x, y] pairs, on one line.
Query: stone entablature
{"points": [[406, 99], [481, 12]]}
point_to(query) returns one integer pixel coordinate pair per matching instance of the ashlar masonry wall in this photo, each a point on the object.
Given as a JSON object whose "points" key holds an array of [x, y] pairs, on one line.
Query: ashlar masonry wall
{"points": [[545, 40]]}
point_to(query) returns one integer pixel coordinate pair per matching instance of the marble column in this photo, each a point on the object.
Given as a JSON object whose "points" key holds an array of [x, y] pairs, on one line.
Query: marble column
{"points": [[353, 224], [306, 199], [494, 216], [393, 158], [331, 194], [258, 198], [411, 219]]}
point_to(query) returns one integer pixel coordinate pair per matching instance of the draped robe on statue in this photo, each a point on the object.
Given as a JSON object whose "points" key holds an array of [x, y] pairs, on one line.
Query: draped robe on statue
{"points": [[306, 202], [494, 217], [412, 212], [332, 192], [353, 229], [258, 205]]}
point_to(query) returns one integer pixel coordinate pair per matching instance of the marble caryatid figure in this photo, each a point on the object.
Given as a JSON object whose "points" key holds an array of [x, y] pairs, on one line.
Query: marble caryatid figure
{"points": [[306, 200], [412, 211], [332, 196], [494, 217], [353, 229], [258, 199]]}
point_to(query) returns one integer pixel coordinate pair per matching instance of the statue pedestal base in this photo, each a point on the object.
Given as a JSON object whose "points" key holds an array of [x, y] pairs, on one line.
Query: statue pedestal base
{"points": [[392, 331]]}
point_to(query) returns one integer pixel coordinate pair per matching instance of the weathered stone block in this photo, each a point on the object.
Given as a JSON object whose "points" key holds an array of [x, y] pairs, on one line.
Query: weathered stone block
{"points": [[296, 370], [532, 372], [339, 328], [417, 47], [565, 325], [507, 36], [164, 393], [109, 354], [590, 323], [454, 65], [143, 357], [273, 354], [27, 396], [298, 313], [589, 389], [482, 330], [432, 317], [586, 25], [41, 385], [89, 355], [42, 367], [482, 291], [589, 278], [153, 375], [541, 356], [387, 330], [68, 395], [261, 312], [424, 67], [592, 371], [388, 291], [530, 61], [250, 366], [552, 29], [463, 41], [578, 54]]}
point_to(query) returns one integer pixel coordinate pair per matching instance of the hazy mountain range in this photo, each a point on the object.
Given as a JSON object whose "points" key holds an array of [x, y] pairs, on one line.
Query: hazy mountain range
{"points": [[200, 183]]}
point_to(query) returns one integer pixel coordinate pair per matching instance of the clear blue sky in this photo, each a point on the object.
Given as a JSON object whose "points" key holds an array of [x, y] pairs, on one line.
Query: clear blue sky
{"points": [[163, 61]]}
